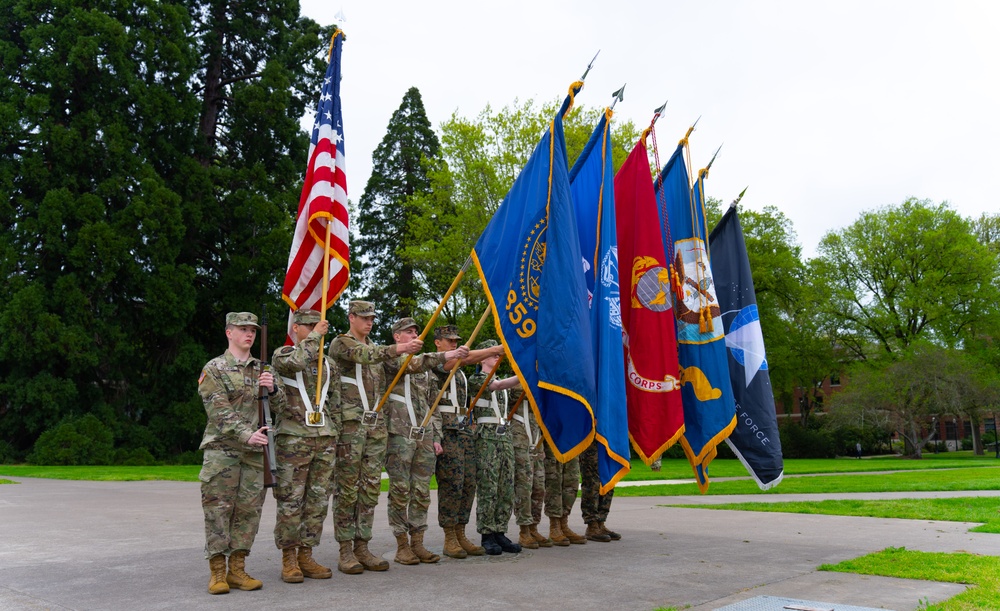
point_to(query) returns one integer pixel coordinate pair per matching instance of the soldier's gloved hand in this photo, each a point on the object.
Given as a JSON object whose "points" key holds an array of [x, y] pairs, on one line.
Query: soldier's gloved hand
{"points": [[259, 437], [438, 449], [266, 379], [322, 327], [459, 353]]}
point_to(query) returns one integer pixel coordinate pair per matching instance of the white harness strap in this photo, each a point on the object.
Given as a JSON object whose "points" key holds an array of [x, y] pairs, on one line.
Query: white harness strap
{"points": [[299, 383], [360, 383], [406, 399], [524, 420], [452, 395]]}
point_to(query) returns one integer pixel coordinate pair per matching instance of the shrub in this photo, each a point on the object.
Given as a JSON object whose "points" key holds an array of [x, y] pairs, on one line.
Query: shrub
{"points": [[74, 441], [136, 457], [801, 442]]}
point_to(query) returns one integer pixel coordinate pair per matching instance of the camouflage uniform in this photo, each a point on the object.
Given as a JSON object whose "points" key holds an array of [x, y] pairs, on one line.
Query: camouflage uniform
{"points": [[411, 462], [529, 464], [494, 459], [232, 473], [306, 454], [456, 467], [361, 449], [562, 480], [593, 504]]}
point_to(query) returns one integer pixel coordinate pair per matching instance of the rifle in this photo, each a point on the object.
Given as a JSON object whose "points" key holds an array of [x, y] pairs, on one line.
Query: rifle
{"points": [[264, 409]]}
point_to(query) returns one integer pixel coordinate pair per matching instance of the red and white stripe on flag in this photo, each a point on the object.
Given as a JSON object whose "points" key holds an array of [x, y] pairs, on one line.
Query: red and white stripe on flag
{"points": [[323, 202]]}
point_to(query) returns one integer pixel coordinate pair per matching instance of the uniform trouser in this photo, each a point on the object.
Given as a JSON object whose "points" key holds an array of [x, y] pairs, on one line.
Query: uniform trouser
{"points": [[232, 496], [360, 459], [495, 480], [409, 464], [529, 480], [593, 505], [456, 477], [562, 480], [305, 468]]}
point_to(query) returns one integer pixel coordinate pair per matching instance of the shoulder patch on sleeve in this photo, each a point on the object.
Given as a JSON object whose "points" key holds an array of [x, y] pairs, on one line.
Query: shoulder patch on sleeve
{"points": [[201, 378], [286, 350]]}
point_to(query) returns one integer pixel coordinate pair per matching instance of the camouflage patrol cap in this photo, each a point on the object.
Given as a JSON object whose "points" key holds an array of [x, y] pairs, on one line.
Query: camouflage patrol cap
{"points": [[447, 332], [489, 343], [403, 323], [305, 316], [361, 308], [241, 319]]}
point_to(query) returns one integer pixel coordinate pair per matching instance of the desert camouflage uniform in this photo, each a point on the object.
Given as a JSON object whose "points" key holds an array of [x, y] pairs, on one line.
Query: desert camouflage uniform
{"points": [[306, 454], [361, 449], [232, 472], [410, 463], [494, 460], [562, 480], [529, 463], [456, 467], [593, 504]]}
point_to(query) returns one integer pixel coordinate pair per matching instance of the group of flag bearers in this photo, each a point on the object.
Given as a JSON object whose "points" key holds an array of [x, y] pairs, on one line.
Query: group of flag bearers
{"points": [[593, 370]]}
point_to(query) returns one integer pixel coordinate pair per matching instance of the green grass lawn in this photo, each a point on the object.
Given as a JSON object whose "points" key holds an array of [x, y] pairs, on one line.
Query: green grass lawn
{"points": [[182, 473], [6, 481], [982, 571], [964, 509]]}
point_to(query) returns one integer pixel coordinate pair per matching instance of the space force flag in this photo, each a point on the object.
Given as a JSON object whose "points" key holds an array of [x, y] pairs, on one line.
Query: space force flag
{"points": [[323, 204], [755, 439], [592, 188], [528, 259], [709, 408], [655, 414]]}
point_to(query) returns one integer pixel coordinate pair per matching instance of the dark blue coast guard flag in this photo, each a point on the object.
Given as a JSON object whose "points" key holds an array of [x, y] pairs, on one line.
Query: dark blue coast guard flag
{"points": [[755, 439], [593, 190], [528, 259], [707, 395]]}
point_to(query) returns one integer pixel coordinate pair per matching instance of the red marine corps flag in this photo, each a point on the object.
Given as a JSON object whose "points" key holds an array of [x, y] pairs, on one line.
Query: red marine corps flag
{"points": [[320, 243], [655, 413]]}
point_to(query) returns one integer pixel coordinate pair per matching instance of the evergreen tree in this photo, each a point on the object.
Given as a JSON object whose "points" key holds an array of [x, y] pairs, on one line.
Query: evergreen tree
{"points": [[147, 186], [383, 272]]}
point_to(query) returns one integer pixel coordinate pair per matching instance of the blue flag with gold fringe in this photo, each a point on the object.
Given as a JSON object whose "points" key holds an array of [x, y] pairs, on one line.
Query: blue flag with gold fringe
{"points": [[528, 259], [707, 395], [755, 439], [592, 186]]}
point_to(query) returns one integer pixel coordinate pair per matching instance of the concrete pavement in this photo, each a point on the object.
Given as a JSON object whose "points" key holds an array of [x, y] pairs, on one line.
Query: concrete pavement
{"points": [[138, 545]]}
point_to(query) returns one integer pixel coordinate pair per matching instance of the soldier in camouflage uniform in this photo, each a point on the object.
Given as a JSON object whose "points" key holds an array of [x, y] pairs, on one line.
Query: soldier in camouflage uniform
{"points": [[363, 437], [562, 480], [306, 447], [529, 472], [593, 505], [413, 448], [494, 458], [232, 474], [456, 465]]}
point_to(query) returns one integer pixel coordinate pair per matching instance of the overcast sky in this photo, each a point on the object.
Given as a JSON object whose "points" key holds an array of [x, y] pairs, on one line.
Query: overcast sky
{"points": [[825, 109]]}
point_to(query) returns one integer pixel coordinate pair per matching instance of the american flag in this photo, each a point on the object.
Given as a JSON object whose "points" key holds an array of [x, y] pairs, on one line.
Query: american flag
{"points": [[323, 201]]}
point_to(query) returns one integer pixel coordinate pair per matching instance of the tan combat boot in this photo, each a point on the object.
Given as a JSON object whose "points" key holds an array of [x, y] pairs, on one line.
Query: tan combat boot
{"points": [[539, 538], [556, 533], [367, 559], [309, 567], [452, 548], [569, 534], [290, 572], [417, 545], [237, 576], [594, 533], [405, 555], [349, 564], [217, 582], [525, 538], [470, 548], [610, 533]]}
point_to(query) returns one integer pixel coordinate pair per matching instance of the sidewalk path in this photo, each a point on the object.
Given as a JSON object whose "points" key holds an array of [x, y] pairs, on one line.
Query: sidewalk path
{"points": [[138, 545]]}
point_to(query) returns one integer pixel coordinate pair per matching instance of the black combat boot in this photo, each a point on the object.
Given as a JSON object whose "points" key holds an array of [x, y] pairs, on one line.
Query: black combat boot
{"points": [[506, 544], [490, 545]]}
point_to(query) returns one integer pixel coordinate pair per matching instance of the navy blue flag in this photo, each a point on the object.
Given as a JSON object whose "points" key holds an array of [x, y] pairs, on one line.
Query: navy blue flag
{"points": [[707, 395], [593, 189], [528, 259], [755, 439]]}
